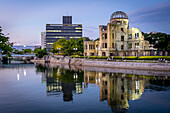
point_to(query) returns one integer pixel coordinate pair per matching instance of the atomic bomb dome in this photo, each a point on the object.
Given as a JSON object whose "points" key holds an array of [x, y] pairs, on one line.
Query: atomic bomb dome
{"points": [[119, 15]]}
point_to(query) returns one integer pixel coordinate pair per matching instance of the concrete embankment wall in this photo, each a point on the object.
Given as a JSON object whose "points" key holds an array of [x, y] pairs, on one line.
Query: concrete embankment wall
{"points": [[130, 65], [111, 64], [38, 61]]}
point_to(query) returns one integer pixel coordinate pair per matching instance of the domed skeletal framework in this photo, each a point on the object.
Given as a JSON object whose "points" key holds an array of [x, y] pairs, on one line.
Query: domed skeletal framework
{"points": [[119, 14]]}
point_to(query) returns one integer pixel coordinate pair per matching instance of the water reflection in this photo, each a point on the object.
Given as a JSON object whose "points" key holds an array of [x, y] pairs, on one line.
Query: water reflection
{"points": [[59, 81], [119, 88], [116, 88]]}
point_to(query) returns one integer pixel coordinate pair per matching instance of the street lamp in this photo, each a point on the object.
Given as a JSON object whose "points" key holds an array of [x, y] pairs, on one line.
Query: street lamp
{"points": [[58, 49], [75, 50]]}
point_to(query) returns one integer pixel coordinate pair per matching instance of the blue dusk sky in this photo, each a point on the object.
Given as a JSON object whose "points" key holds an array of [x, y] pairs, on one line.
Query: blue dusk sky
{"points": [[26, 19]]}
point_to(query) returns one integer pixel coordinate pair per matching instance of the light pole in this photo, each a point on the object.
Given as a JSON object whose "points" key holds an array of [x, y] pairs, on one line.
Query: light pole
{"points": [[58, 50], [75, 50]]}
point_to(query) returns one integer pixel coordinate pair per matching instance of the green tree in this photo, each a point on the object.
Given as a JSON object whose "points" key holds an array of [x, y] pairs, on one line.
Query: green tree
{"points": [[41, 52], [97, 39], [80, 45], [27, 51], [66, 46], [58, 44], [5, 45], [69, 45], [37, 49], [159, 40]]}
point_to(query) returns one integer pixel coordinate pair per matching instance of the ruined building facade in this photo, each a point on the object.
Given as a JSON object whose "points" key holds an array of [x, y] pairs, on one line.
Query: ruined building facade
{"points": [[116, 39]]}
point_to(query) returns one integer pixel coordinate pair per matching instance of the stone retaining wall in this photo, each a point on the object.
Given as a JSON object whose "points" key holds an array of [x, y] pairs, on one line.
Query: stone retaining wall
{"points": [[132, 65], [111, 64]]}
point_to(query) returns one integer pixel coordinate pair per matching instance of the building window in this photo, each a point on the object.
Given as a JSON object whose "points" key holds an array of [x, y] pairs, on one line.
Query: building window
{"points": [[105, 35], [91, 47], [136, 45], [112, 45], [136, 35], [97, 46], [85, 46], [112, 35], [118, 22], [122, 29], [130, 46], [124, 22], [122, 47], [130, 36], [122, 38], [92, 54], [105, 45], [102, 45], [103, 54]]}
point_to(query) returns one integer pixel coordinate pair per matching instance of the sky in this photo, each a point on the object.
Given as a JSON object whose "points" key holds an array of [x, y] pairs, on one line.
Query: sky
{"points": [[24, 20]]}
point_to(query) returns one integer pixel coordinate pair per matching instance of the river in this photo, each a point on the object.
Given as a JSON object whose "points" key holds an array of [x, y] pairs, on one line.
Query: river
{"points": [[35, 88]]}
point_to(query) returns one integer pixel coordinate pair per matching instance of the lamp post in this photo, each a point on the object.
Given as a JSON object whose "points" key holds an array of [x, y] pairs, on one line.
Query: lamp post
{"points": [[58, 50], [75, 50]]}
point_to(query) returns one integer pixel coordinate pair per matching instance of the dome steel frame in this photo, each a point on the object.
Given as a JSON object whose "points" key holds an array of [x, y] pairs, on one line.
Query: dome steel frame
{"points": [[119, 15]]}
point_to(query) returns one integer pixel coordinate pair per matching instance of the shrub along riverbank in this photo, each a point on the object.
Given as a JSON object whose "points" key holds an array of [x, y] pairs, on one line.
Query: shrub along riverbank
{"points": [[125, 57]]}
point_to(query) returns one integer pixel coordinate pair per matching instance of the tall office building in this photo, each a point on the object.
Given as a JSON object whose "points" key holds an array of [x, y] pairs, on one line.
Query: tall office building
{"points": [[67, 30], [67, 19], [42, 40]]}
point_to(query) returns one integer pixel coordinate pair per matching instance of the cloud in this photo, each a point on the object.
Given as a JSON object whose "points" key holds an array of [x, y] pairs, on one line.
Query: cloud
{"points": [[156, 17]]}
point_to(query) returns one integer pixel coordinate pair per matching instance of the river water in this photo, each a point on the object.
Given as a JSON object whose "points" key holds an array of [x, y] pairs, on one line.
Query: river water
{"points": [[35, 88]]}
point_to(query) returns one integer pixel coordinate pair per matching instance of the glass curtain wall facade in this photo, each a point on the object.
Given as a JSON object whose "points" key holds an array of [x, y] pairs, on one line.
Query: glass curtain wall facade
{"points": [[54, 32]]}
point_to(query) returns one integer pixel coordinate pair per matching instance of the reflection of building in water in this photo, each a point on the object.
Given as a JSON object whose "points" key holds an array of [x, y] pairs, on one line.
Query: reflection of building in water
{"points": [[91, 77], [117, 89], [63, 81]]}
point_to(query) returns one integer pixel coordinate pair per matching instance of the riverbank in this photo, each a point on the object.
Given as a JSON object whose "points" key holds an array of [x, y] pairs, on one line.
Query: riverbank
{"points": [[108, 64], [109, 70]]}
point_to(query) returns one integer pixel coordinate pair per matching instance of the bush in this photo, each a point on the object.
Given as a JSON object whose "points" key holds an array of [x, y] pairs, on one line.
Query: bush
{"points": [[131, 58], [127, 57], [153, 57], [59, 53], [76, 56]]}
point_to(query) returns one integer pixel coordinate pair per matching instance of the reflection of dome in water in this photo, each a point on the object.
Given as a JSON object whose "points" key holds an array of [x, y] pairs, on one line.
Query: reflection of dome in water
{"points": [[119, 14]]}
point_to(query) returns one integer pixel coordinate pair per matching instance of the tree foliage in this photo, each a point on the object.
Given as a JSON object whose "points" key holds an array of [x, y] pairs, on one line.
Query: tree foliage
{"points": [[40, 52], [27, 51], [159, 40], [97, 39], [58, 45], [5, 45], [66, 46]]}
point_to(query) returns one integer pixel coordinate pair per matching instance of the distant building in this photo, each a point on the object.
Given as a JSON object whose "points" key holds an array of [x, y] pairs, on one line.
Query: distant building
{"points": [[116, 39], [35, 47], [67, 30], [43, 40]]}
